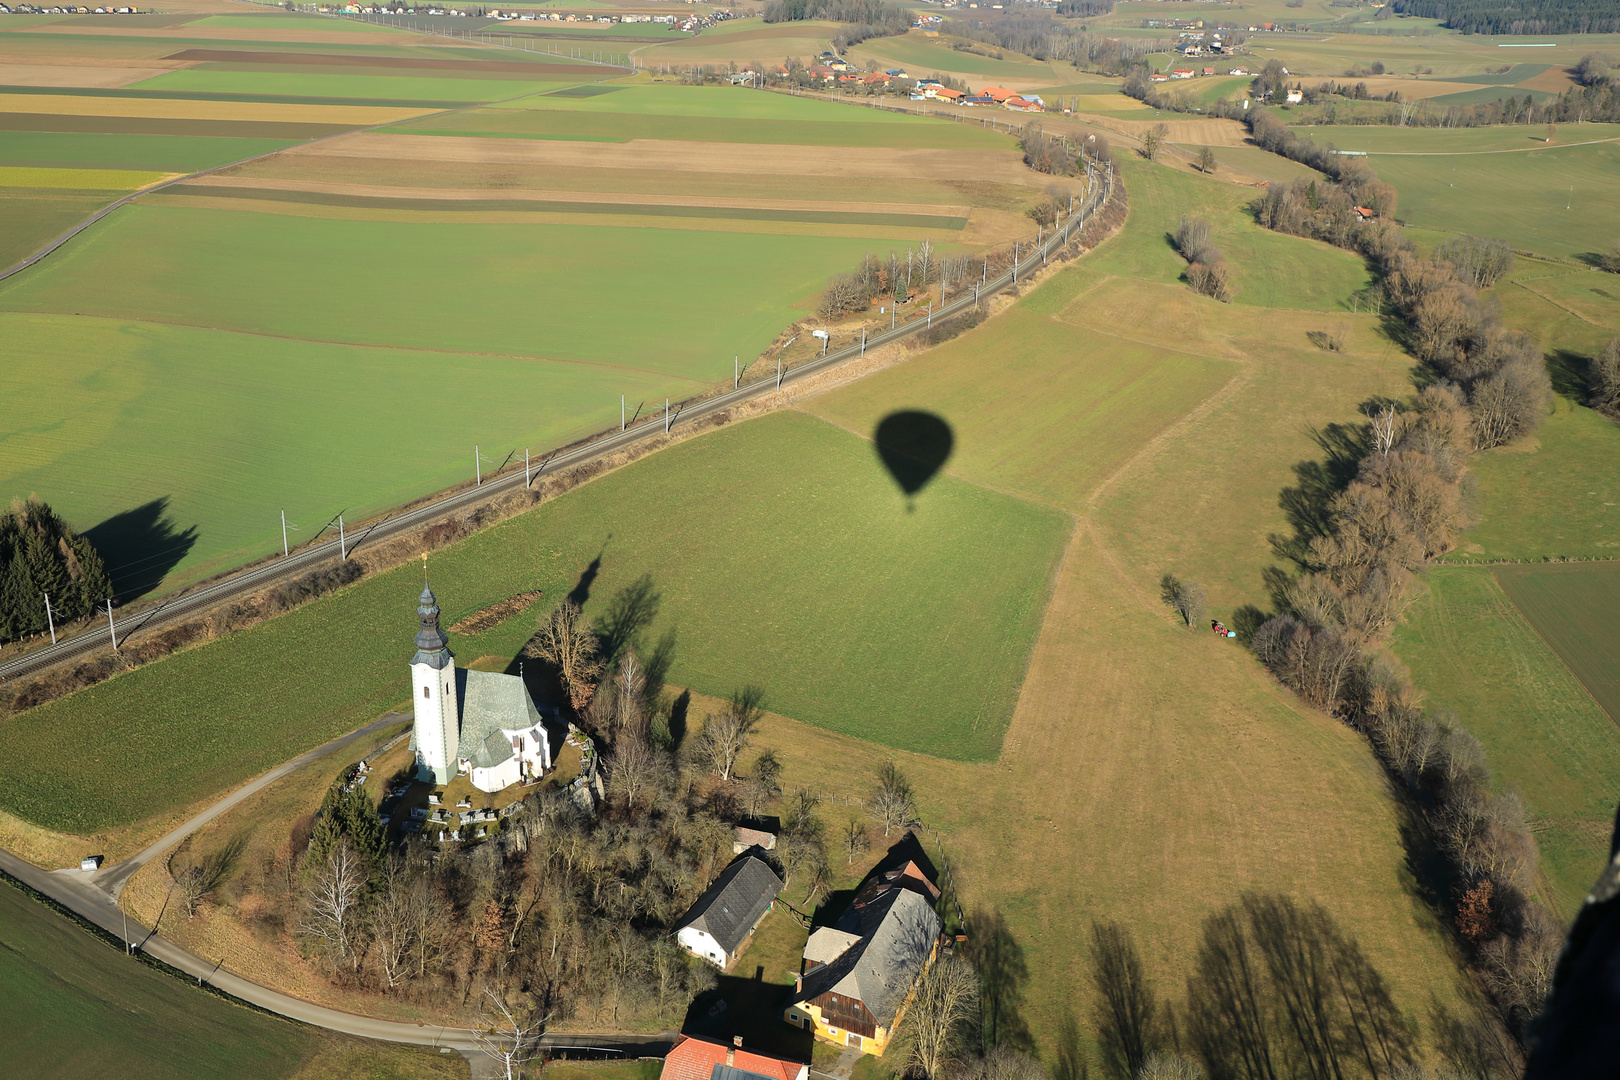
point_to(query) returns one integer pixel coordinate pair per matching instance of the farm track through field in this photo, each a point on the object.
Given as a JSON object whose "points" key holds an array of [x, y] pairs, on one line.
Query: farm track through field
{"points": [[252, 579]]}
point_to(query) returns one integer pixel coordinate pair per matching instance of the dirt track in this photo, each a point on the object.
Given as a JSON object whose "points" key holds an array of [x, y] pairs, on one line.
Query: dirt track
{"points": [[1002, 166]]}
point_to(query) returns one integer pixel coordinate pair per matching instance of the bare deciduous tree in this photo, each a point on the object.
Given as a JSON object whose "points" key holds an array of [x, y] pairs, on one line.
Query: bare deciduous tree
{"points": [[196, 878], [936, 1026], [566, 642], [637, 772], [1605, 377], [391, 924], [507, 1036], [855, 842], [332, 901], [892, 805], [1206, 160], [1186, 597], [726, 736], [1153, 141]]}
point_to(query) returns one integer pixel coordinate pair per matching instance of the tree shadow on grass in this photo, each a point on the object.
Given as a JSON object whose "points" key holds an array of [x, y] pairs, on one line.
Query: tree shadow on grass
{"points": [[140, 547], [747, 1005], [1571, 375]]}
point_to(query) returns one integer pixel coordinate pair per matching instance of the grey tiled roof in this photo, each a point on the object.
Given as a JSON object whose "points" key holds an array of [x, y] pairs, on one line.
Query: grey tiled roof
{"points": [[730, 908], [491, 701], [897, 933]]}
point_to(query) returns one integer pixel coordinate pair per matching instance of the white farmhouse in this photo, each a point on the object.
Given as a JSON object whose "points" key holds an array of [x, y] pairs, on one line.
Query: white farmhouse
{"points": [[722, 918], [481, 723]]}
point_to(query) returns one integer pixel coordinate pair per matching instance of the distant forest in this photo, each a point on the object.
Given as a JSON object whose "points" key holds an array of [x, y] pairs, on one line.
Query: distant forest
{"points": [[857, 12], [41, 555], [1518, 16]]}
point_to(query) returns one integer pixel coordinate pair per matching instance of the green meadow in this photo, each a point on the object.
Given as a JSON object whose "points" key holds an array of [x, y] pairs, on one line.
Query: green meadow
{"points": [[727, 102], [273, 21], [78, 1007], [1268, 269], [1472, 652], [520, 290], [898, 623], [167, 153], [32, 217], [922, 56], [1553, 199]]}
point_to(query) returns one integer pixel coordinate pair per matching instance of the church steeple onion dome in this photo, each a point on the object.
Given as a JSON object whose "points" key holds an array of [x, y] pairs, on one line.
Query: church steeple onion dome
{"points": [[432, 646]]}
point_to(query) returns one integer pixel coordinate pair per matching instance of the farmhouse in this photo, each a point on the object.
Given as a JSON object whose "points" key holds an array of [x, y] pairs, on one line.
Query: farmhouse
{"points": [[481, 723], [696, 1057], [996, 94], [859, 973], [727, 912]]}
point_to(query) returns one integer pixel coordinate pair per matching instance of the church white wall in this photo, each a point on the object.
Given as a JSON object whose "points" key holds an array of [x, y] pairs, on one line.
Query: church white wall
{"points": [[433, 693], [496, 777]]}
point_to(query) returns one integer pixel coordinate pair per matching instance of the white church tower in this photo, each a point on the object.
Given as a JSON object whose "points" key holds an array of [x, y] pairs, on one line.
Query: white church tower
{"points": [[433, 686]]}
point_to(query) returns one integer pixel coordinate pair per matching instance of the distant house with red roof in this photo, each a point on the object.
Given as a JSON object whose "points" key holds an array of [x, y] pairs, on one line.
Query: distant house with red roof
{"points": [[947, 94], [996, 93], [695, 1057], [1020, 104], [1364, 213]]}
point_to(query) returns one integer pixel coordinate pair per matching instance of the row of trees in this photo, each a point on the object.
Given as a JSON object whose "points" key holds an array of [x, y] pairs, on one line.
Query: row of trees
{"points": [[1046, 38], [41, 555], [897, 277]]}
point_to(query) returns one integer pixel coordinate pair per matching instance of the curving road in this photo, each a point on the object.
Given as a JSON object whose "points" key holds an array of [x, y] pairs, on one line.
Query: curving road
{"points": [[96, 639]]}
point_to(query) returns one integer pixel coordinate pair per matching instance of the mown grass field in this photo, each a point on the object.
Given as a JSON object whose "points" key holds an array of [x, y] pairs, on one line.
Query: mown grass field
{"points": [[788, 558], [32, 217], [1572, 607], [1472, 651], [78, 1007]]}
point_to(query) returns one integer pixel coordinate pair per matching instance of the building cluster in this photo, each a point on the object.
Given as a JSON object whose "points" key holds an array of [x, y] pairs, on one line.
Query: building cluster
{"points": [[689, 23], [858, 973], [831, 70]]}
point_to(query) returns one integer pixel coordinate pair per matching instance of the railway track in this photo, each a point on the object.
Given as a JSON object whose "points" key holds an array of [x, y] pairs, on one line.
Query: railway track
{"points": [[97, 639]]}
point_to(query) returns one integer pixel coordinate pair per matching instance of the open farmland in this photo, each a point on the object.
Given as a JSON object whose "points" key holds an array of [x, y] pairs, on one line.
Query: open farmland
{"points": [[924, 56], [78, 1007], [904, 627], [1128, 734], [1572, 607], [510, 282], [1503, 181]]}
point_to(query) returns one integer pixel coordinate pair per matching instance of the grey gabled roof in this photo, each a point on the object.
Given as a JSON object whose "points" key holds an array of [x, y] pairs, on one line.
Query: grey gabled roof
{"points": [[491, 701], [730, 908], [897, 934]]}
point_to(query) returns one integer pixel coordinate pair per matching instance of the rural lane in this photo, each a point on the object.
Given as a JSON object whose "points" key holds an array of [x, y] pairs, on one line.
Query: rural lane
{"points": [[70, 889], [248, 580]]}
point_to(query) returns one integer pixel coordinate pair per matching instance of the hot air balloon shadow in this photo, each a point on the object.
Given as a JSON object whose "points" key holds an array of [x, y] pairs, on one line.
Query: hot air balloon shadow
{"points": [[913, 446]]}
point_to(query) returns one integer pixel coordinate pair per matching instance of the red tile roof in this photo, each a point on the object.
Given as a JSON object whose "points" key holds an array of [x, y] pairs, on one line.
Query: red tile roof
{"points": [[694, 1058]]}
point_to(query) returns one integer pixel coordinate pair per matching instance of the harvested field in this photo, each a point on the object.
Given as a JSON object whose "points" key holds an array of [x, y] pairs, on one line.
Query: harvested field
{"points": [[12, 176], [180, 35], [1005, 167], [1209, 132], [75, 75], [170, 109], [390, 90]]}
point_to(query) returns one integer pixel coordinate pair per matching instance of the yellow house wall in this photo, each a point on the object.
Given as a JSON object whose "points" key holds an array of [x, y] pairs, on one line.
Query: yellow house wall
{"points": [[876, 1044]]}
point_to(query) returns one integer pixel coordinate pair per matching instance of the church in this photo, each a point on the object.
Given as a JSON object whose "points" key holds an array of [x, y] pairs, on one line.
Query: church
{"points": [[481, 723]]}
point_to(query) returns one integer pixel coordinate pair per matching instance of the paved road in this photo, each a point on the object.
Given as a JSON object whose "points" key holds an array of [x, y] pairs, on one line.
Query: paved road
{"points": [[96, 639], [111, 879], [76, 892]]}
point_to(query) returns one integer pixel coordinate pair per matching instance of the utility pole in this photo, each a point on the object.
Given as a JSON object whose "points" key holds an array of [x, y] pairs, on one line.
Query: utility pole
{"points": [[284, 534], [526, 480], [621, 412], [736, 372], [112, 627], [50, 620], [863, 341], [343, 541], [478, 468], [666, 416]]}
